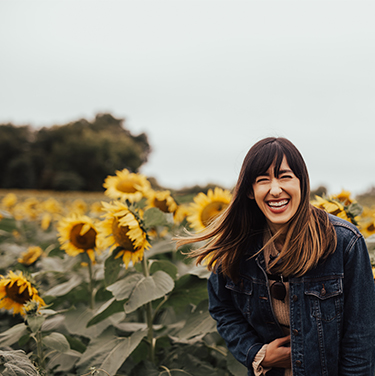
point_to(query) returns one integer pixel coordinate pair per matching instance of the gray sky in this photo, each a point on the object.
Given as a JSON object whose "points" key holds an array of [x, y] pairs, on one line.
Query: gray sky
{"points": [[204, 79]]}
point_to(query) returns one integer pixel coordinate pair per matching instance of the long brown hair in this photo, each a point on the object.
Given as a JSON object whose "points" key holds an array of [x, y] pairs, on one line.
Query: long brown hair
{"points": [[310, 236]]}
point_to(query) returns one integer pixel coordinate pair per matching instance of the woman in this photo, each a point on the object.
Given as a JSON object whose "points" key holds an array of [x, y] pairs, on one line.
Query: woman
{"points": [[292, 289]]}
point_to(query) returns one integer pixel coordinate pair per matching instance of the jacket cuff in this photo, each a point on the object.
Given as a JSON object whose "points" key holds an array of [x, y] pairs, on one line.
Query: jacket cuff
{"points": [[258, 369], [251, 353]]}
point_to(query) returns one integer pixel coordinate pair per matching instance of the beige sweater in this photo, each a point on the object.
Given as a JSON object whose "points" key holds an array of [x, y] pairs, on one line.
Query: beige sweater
{"points": [[281, 310]]}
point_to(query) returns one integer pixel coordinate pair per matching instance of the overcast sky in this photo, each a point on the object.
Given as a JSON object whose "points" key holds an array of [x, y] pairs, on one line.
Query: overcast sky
{"points": [[204, 79]]}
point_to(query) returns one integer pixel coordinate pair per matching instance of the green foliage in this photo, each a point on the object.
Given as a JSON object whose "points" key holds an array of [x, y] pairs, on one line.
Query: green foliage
{"points": [[12, 335], [16, 363], [109, 352], [75, 156], [149, 319]]}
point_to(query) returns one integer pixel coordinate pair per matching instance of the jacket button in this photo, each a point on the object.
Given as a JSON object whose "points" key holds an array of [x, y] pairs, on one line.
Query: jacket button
{"points": [[295, 298], [295, 332], [298, 363]]}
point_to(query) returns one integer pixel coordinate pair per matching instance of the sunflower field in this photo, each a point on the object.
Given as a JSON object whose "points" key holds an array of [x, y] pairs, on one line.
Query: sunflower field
{"points": [[92, 284]]}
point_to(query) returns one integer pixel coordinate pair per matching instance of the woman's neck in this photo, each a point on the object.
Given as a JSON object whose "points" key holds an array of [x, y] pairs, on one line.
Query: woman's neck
{"points": [[280, 239]]}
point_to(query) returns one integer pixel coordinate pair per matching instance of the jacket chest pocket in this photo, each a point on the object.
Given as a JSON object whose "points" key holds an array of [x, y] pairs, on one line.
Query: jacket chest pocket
{"points": [[241, 294], [326, 298]]}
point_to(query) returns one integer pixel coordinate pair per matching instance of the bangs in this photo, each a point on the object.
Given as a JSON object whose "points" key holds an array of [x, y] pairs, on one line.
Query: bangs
{"points": [[271, 153]]}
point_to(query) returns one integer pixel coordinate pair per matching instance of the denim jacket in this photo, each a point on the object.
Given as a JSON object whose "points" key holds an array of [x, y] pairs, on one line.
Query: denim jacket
{"points": [[332, 311]]}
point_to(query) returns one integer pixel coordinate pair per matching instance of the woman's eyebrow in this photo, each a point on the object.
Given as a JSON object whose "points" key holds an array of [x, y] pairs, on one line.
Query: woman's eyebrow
{"points": [[285, 171]]}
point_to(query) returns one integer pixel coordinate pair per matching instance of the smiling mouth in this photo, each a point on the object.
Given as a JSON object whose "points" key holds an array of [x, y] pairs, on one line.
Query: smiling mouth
{"points": [[277, 204]]}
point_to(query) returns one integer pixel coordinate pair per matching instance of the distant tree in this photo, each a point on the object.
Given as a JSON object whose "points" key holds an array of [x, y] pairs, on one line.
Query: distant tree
{"points": [[15, 144], [76, 156], [320, 191]]}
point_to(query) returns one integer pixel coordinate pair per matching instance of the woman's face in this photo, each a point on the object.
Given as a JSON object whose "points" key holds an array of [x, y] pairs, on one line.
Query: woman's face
{"points": [[277, 197]]}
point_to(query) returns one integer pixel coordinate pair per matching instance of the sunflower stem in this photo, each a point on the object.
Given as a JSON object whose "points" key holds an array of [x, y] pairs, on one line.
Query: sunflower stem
{"points": [[150, 335], [39, 349], [91, 285]]}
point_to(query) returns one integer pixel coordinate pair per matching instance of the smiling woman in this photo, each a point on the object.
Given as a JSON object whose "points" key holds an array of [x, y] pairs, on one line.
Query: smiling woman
{"points": [[282, 270], [277, 194]]}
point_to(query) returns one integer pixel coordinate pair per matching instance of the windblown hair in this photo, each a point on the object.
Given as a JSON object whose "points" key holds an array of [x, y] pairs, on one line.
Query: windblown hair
{"points": [[310, 236]]}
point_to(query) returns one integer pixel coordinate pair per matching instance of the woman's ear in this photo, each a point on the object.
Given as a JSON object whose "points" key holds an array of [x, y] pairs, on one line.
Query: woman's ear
{"points": [[251, 195]]}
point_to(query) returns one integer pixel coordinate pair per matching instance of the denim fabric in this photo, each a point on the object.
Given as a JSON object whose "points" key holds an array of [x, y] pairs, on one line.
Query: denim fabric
{"points": [[332, 311]]}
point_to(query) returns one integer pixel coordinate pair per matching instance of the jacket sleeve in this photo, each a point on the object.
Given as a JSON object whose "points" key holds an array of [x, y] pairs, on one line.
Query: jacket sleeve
{"points": [[357, 352], [241, 339]]}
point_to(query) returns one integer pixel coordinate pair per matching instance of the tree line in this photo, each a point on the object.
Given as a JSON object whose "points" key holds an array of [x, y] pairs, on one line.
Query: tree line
{"points": [[75, 156]]}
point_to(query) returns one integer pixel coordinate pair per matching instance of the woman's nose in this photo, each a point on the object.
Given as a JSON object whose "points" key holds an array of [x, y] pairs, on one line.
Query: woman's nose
{"points": [[275, 189]]}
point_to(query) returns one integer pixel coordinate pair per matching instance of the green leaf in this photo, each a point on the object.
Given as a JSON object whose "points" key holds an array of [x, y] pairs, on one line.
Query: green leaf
{"points": [[108, 352], [112, 268], [57, 341], [165, 266], [35, 322], [66, 287], [199, 322], [23, 340], [189, 289], [76, 344], [160, 247], [107, 309], [235, 367], [12, 335], [201, 272], [8, 224], [149, 289], [16, 363], [154, 217], [355, 209], [123, 288], [76, 322], [63, 362]]}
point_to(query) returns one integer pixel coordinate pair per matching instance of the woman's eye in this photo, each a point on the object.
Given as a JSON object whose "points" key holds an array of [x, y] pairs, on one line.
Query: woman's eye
{"points": [[286, 177], [261, 180]]}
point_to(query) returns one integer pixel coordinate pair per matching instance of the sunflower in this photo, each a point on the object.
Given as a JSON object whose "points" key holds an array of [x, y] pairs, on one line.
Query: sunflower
{"points": [[332, 205], [78, 207], [31, 255], [46, 221], [96, 209], [52, 206], [126, 186], [343, 197], [367, 227], [78, 234], [161, 200], [207, 207], [121, 228], [181, 213], [9, 201], [28, 209], [16, 291]]}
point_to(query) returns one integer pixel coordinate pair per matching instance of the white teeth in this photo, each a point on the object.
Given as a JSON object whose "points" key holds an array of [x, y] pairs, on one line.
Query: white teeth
{"points": [[279, 203]]}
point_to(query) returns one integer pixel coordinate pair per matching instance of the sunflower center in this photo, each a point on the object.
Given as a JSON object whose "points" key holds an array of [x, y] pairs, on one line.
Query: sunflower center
{"points": [[14, 294], [126, 186], [85, 241], [120, 234], [211, 211], [371, 227], [162, 205]]}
